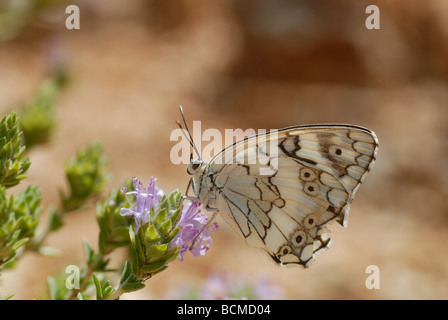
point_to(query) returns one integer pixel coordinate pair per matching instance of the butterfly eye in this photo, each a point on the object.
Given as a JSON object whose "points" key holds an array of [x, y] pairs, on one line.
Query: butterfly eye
{"points": [[195, 166]]}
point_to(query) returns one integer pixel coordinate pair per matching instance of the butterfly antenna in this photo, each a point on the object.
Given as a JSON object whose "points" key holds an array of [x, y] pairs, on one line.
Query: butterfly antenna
{"points": [[189, 134], [188, 138]]}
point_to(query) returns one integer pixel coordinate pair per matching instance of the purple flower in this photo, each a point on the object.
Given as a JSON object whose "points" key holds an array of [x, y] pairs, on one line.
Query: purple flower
{"points": [[194, 234], [216, 286], [265, 289], [223, 286], [146, 198]]}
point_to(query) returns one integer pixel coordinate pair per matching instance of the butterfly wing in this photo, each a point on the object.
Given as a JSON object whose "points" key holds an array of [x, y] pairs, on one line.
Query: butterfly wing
{"points": [[279, 191]]}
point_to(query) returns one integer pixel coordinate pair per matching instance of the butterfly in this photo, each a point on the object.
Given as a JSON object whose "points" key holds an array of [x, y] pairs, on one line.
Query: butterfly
{"points": [[304, 177]]}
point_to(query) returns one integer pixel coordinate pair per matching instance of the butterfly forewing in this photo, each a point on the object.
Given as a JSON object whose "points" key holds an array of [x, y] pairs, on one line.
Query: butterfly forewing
{"points": [[279, 191]]}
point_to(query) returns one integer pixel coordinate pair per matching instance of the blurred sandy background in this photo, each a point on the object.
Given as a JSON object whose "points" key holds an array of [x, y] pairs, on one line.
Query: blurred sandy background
{"points": [[249, 64]]}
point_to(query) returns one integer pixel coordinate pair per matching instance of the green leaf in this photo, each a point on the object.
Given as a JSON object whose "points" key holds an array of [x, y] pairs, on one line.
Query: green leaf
{"points": [[172, 234], [164, 204], [159, 270], [160, 217], [163, 229], [94, 260], [174, 216], [152, 267], [37, 117], [104, 290], [19, 219], [152, 236], [102, 243], [52, 285], [7, 297], [57, 287], [88, 251], [174, 199], [55, 219], [129, 282], [20, 243], [87, 175], [134, 254], [114, 228], [47, 251], [140, 245], [13, 165], [99, 292], [127, 271], [107, 289], [133, 286], [156, 251]]}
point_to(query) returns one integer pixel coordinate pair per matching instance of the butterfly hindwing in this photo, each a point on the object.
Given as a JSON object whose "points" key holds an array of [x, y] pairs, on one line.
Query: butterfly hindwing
{"points": [[280, 191]]}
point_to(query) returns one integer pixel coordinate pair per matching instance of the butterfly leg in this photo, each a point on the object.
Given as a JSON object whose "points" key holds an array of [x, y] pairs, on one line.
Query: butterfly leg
{"points": [[190, 198], [215, 213], [186, 196], [188, 187]]}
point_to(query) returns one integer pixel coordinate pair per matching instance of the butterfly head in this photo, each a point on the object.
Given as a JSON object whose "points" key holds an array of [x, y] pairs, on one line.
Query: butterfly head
{"points": [[195, 167]]}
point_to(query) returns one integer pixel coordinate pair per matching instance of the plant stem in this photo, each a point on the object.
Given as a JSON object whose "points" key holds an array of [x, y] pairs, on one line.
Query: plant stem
{"points": [[116, 294], [85, 280]]}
